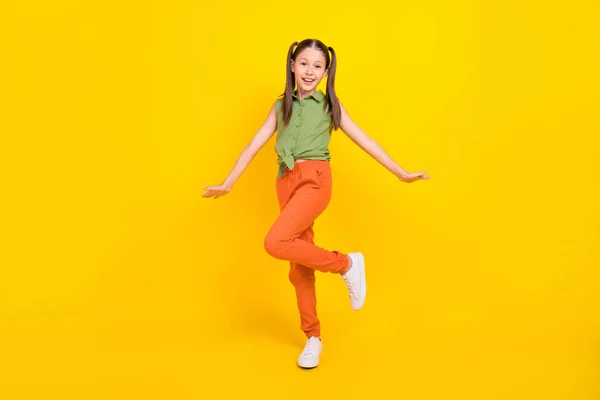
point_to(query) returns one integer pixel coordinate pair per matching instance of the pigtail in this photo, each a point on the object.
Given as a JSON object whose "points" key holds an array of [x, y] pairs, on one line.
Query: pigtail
{"points": [[290, 84], [332, 100]]}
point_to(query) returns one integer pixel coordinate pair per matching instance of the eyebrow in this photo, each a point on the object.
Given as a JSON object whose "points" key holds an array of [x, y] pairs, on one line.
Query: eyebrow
{"points": [[306, 59]]}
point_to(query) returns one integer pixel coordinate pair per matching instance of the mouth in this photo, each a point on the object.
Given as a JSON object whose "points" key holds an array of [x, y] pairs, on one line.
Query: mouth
{"points": [[308, 81]]}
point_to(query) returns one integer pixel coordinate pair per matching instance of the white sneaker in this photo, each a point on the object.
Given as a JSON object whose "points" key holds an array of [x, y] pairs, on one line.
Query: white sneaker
{"points": [[310, 355], [356, 281]]}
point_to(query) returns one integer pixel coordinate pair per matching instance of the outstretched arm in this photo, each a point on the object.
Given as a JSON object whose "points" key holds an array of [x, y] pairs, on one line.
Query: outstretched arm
{"points": [[258, 141], [369, 145]]}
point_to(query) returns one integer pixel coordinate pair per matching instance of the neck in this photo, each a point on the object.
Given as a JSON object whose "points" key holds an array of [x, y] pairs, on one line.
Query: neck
{"points": [[303, 93]]}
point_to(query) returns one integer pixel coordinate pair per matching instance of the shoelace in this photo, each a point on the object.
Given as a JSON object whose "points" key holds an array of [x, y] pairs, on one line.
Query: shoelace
{"points": [[308, 349], [350, 284]]}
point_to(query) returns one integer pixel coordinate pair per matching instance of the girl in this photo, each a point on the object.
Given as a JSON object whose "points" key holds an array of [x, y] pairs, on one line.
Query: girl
{"points": [[304, 120]]}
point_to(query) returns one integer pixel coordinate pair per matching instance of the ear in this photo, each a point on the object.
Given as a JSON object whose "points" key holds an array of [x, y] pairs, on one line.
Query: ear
{"points": [[292, 65], [326, 72]]}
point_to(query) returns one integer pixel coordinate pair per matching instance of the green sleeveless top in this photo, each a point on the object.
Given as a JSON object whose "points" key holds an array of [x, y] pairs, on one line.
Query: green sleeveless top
{"points": [[307, 135]]}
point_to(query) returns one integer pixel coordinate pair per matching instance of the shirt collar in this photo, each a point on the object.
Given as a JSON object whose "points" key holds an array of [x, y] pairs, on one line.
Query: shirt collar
{"points": [[317, 95]]}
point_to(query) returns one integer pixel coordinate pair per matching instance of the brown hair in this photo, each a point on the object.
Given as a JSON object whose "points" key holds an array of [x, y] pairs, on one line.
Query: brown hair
{"points": [[290, 81]]}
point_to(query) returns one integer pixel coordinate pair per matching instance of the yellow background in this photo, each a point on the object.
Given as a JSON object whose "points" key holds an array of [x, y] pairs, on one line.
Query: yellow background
{"points": [[119, 281]]}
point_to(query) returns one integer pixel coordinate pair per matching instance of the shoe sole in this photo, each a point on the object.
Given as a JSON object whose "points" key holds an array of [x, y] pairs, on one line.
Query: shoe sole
{"points": [[363, 282], [302, 367], [308, 366]]}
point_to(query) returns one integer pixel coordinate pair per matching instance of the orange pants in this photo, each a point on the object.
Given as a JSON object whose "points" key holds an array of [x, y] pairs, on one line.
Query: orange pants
{"points": [[304, 193]]}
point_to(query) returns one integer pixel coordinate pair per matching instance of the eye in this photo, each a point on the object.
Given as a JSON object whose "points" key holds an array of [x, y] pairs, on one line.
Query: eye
{"points": [[318, 66], [302, 63]]}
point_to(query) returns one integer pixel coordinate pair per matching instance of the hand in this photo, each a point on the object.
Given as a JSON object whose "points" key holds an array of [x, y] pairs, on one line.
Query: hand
{"points": [[415, 176], [216, 191]]}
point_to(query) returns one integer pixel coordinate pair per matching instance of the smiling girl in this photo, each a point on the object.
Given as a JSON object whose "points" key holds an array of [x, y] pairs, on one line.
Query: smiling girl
{"points": [[305, 119]]}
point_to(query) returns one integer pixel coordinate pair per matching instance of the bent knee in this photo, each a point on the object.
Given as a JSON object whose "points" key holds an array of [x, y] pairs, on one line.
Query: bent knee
{"points": [[273, 245]]}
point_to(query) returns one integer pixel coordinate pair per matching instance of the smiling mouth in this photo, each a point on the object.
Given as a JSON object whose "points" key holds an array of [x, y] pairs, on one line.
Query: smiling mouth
{"points": [[309, 81]]}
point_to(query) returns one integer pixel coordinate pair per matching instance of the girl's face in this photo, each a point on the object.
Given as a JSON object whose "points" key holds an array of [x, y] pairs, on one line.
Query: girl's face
{"points": [[309, 69]]}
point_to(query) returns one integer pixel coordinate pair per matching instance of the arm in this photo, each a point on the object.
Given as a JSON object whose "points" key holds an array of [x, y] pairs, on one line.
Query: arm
{"points": [[369, 145], [248, 153]]}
